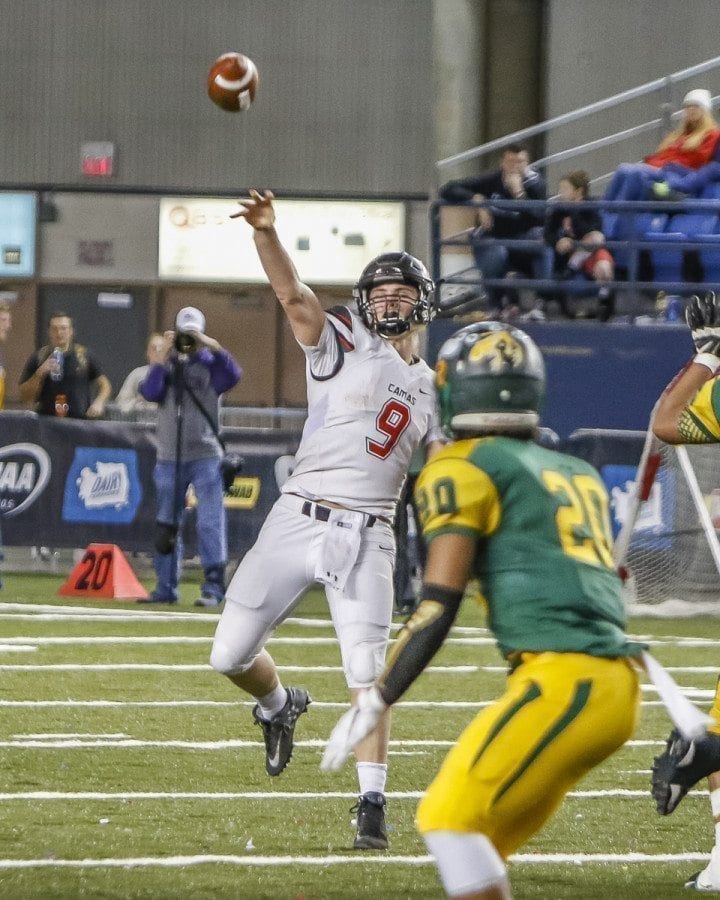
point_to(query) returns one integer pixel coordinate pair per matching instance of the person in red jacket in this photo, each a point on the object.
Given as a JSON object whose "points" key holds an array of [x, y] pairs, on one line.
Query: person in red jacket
{"points": [[691, 145]]}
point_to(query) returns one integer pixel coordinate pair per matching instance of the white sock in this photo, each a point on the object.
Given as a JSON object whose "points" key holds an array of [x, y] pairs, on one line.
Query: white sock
{"points": [[273, 702], [717, 835], [467, 863], [372, 777]]}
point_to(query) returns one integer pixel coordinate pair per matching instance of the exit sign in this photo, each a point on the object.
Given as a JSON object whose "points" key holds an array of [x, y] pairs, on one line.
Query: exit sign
{"points": [[97, 158]]}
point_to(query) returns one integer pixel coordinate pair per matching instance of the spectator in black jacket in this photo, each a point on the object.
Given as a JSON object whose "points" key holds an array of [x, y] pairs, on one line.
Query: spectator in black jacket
{"points": [[576, 236], [514, 180]]}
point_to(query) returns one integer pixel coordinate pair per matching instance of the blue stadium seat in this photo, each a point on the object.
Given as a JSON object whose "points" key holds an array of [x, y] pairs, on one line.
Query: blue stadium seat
{"points": [[668, 263], [632, 226], [710, 257]]}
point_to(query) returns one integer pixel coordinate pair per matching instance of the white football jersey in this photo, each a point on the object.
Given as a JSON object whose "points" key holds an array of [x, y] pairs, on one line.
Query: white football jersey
{"points": [[368, 410]]}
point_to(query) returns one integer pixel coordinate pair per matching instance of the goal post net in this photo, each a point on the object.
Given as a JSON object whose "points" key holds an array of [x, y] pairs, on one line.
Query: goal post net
{"points": [[668, 544]]}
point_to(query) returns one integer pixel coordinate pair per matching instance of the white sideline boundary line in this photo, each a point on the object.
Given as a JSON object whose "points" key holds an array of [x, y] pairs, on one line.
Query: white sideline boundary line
{"points": [[334, 860], [281, 795]]}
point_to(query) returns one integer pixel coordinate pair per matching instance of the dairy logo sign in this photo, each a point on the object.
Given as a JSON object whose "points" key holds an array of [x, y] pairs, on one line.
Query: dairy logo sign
{"points": [[24, 474], [655, 516], [102, 485]]}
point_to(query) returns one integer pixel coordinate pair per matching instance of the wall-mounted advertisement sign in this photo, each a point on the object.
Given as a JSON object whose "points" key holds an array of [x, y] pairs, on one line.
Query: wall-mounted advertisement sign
{"points": [[330, 241], [17, 235]]}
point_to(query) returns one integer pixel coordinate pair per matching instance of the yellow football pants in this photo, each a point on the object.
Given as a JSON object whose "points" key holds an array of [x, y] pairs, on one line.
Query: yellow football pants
{"points": [[561, 715], [715, 711]]}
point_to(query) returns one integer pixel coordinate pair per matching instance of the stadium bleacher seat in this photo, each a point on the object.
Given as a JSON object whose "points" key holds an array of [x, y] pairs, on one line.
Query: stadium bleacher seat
{"points": [[670, 264]]}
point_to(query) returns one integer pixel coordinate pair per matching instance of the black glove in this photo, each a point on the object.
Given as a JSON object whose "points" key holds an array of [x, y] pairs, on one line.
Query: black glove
{"points": [[703, 318]]}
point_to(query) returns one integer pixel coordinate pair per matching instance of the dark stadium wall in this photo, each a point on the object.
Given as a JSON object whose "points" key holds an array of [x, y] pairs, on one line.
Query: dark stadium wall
{"points": [[344, 101], [597, 49]]}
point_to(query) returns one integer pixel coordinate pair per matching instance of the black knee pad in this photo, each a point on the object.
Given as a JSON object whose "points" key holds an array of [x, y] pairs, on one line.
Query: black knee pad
{"points": [[165, 538]]}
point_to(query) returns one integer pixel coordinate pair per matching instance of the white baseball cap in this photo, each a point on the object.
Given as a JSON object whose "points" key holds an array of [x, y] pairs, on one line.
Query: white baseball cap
{"points": [[190, 319], [698, 97]]}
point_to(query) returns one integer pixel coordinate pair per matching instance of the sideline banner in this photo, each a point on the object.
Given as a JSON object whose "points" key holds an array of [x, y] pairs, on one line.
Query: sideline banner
{"points": [[71, 482], [598, 375]]}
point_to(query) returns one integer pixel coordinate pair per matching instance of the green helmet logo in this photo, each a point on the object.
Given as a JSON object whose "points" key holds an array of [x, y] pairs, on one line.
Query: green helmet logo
{"points": [[490, 377]]}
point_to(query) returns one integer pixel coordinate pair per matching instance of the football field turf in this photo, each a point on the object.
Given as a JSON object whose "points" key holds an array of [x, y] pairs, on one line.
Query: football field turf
{"points": [[130, 769]]}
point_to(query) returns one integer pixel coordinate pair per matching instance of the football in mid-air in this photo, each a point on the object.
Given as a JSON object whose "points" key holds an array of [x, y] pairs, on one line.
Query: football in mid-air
{"points": [[232, 82]]}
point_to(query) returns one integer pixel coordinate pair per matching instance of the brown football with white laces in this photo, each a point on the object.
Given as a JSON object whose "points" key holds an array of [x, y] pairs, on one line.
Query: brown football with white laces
{"points": [[232, 82]]}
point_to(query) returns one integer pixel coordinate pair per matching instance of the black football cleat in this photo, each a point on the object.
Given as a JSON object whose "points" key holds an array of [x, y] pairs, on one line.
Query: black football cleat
{"points": [[278, 731], [681, 766], [371, 833]]}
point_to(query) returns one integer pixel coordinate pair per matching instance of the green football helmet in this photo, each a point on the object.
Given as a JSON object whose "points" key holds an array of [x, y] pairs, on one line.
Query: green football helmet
{"points": [[490, 377]]}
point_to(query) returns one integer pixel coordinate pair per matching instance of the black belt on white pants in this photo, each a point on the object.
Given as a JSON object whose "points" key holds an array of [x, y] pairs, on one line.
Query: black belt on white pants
{"points": [[322, 513]]}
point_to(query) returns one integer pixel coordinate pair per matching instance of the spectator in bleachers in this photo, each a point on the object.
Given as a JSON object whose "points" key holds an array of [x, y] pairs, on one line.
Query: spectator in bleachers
{"points": [[691, 146], [576, 236], [514, 180], [679, 180], [129, 398]]}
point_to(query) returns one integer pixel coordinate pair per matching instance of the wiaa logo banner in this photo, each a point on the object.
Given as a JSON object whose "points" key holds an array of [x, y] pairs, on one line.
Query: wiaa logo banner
{"points": [[24, 474], [102, 485]]}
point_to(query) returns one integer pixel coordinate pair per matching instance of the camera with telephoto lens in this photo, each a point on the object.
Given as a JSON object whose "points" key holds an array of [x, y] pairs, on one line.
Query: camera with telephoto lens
{"points": [[231, 465], [185, 342]]}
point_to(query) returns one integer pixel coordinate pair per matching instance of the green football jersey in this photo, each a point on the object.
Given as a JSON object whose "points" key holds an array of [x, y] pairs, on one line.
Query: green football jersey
{"points": [[544, 558]]}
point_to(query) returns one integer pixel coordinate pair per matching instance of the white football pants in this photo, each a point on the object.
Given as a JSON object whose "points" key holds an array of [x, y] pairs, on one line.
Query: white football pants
{"points": [[280, 568]]}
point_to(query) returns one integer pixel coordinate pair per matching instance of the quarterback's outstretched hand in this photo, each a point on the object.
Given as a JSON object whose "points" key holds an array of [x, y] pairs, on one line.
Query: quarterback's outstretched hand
{"points": [[352, 727], [257, 210], [703, 318]]}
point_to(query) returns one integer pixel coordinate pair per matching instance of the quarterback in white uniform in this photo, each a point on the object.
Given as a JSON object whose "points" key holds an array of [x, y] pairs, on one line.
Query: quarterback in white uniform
{"points": [[371, 403]]}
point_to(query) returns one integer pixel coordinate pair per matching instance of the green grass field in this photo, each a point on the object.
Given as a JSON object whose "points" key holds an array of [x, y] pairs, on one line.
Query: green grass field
{"points": [[130, 769]]}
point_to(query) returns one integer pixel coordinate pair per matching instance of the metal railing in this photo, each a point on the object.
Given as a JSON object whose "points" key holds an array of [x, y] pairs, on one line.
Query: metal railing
{"points": [[665, 84], [255, 418], [626, 251]]}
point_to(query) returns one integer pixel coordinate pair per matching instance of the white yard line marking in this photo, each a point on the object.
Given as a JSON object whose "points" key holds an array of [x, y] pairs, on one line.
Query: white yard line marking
{"points": [[92, 611], [317, 704], [134, 639], [34, 642], [688, 691], [233, 744], [107, 617], [355, 859], [184, 667], [49, 612], [276, 795], [709, 670], [48, 736], [7, 647]]}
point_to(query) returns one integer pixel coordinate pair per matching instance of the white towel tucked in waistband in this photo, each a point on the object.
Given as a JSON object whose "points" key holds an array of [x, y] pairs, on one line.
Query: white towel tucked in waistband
{"points": [[340, 547]]}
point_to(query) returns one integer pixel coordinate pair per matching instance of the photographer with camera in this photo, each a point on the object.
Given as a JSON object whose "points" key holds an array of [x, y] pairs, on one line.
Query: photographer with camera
{"points": [[187, 385]]}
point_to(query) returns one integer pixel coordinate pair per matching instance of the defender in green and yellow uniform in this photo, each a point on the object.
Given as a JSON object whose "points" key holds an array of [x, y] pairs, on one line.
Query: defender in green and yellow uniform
{"points": [[688, 412], [532, 525]]}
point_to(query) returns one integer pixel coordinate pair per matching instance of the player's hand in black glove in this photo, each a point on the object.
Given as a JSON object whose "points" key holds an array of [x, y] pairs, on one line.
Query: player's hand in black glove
{"points": [[703, 318]]}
